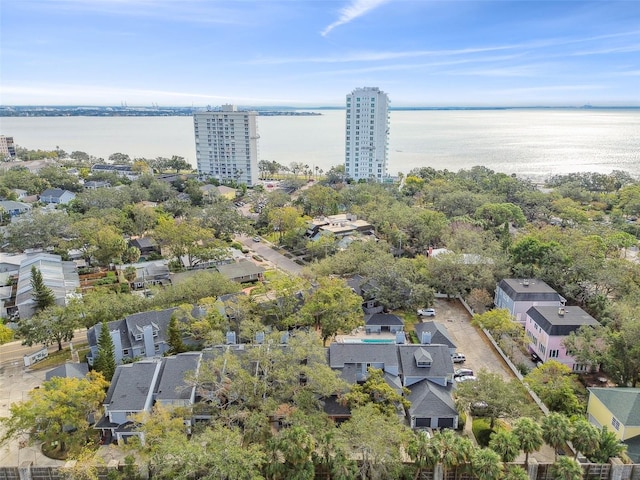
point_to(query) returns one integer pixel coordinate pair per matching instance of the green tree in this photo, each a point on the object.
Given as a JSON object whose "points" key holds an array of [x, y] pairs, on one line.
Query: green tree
{"points": [[454, 450], [566, 468], [43, 296], [529, 435], [515, 472], [556, 429], [505, 444], [498, 321], [189, 240], [503, 399], [58, 411], [557, 387], [6, 334], [109, 245], [174, 334], [289, 455], [332, 307], [377, 392], [105, 362], [608, 446], [584, 437], [52, 325], [486, 464], [423, 452], [131, 255]]}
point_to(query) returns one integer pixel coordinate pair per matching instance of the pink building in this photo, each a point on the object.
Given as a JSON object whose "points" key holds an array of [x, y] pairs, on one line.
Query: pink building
{"points": [[547, 327], [520, 294]]}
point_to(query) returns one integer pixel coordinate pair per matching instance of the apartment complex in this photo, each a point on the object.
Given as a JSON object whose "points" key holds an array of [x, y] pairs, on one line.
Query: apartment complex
{"points": [[7, 148], [367, 134], [227, 145]]}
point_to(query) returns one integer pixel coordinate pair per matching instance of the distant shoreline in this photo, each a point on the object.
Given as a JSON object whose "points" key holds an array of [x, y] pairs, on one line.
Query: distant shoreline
{"points": [[135, 111]]}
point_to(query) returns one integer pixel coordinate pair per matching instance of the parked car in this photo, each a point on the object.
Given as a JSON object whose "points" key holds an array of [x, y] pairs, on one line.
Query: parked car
{"points": [[426, 312], [463, 372], [466, 378], [256, 239], [458, 357]]}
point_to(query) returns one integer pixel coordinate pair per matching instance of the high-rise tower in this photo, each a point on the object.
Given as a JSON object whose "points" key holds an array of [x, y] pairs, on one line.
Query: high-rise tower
{"points": [[227, 144], [366, 142]]}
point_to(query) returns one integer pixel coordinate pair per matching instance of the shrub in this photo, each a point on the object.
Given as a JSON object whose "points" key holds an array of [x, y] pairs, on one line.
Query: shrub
{"points": [[462, 420], [523, 369], [481, 431]]}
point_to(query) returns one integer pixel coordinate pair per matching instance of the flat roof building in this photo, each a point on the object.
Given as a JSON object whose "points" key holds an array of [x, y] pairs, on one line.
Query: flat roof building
{"points": [[227, 145]]}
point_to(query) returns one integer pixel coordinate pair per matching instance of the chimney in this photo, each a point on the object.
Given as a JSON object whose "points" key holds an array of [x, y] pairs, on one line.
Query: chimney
{"points": [[525, 282]]}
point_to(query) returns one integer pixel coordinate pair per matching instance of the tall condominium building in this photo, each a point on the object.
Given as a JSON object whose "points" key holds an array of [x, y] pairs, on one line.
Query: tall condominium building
{"points": [[366, 143], [227, 144], [7, 148]]}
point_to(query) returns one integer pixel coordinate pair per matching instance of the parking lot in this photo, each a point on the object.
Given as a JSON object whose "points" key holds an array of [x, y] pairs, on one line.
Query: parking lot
{"points": [[469, 340]]}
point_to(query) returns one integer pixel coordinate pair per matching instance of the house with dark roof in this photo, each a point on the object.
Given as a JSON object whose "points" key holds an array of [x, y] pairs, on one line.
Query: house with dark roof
{"points": [[367, 289], [242, 272], [546, 329], [57, 196], [96, 184], [171, 390], [141, 335], [149, 273], [146, 245], [520, 294], [425, 370], [432, 332], [383, 322], [618, 409], [122, 170], [68, 370]]}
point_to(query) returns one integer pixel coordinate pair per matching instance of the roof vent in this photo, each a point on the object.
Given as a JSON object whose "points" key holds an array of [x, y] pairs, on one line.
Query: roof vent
{"points": [[525, 282], [561, 311]]}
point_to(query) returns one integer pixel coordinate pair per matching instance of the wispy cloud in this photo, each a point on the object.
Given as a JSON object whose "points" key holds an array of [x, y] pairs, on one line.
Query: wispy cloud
{"points": [[355, 9]]}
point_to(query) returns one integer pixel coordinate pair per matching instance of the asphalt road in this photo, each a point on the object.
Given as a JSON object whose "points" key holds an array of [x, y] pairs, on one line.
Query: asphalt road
{"points": [[13, 352], [264, 249]]}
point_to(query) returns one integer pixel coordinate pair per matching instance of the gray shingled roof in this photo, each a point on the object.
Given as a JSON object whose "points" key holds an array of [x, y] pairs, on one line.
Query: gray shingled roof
{"points": [[526, 290], [345, 353], [431, 400], [68, 370], [441, 365], [131, 386], [383, 319], [439, 333], [239, 269], [172, 385], [560, 324]]}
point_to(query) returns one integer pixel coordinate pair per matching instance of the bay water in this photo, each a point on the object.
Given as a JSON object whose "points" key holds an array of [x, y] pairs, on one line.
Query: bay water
{"points": [[533, 143]]}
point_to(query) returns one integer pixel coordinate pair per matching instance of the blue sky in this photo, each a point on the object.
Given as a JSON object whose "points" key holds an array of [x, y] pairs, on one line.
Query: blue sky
{"points": [[312, 53]]}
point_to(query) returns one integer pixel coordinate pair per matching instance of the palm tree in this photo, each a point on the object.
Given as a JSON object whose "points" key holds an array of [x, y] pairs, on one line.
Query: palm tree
{"points": [[486, 464], [505, 444], [453, 449], [424, 451], [529, 435], [566, 468], [556, 429], [514, 472], [584, 437]]}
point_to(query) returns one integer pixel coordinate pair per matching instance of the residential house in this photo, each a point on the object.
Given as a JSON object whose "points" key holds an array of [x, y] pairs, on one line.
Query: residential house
{"points": [[242, 272], [68, 370], [149, 273], [122, 170], [434, 333], [519, 294], [13, 209], [141, 335], [546, 329], [20, 193], [96, 184], [383, 322], [227, 192], [618, 409], [367, 289], [146, 245], [338, 225], [56, 196], [61, 277], [136, 387], [425, 370]]}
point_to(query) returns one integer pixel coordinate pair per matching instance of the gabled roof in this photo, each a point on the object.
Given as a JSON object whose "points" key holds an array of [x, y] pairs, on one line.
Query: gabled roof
{"points": [[561, 321], [239, 269], [441, 365], [383, 319], [341, 354], [439, 333], [431, 400], [131, 386], [623, 403], [143, 242], [172, 385], [528, 290], [68, 370], [55, 193]]}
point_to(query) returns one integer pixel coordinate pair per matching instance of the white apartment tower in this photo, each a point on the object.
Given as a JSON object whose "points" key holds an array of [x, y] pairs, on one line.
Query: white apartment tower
{"points": [[366, 143], [227, 145]]}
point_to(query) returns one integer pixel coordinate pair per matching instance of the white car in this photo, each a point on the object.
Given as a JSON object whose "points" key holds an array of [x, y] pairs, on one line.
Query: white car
{"points": [[467, 378], [458, 357], [426, 312]]}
